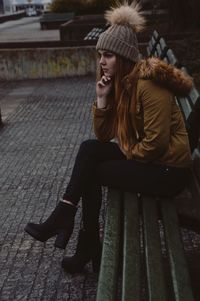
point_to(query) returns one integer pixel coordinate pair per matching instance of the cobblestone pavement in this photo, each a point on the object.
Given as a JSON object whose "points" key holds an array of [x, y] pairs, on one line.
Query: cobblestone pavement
{"points": [[38, 145]]}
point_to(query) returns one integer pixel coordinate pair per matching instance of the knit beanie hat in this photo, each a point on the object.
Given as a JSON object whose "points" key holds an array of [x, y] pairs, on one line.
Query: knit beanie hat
{"points": [[120, 37]]}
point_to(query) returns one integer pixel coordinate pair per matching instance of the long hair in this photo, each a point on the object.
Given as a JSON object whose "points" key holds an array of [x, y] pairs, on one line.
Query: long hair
{"points": [[119, 100], [125, 84]]}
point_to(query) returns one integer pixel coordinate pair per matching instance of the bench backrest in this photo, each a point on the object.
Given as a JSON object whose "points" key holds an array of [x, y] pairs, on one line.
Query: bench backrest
{"points": [[171, 58], [152, 43], [157, 47], [56, 16], [190, 108], [189, 105], [94, 33]]}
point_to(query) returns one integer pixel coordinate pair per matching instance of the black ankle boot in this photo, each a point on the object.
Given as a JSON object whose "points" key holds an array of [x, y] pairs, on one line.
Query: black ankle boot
{"points": [[88, 248], [60, 223]]}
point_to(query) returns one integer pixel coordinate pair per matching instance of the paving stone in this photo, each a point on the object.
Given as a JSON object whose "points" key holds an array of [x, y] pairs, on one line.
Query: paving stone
{"points": [[38, 146]]}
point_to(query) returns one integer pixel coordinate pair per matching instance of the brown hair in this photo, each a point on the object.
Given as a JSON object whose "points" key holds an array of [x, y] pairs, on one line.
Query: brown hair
{"points": [[125, 81], [119, 100]]}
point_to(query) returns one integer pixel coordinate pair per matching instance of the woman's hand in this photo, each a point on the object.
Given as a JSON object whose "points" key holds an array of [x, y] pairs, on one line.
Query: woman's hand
{"points": [[103, 87]]}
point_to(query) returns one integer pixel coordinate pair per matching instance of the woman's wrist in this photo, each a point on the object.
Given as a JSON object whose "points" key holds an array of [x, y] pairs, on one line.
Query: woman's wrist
{"points": [[101, 102]]}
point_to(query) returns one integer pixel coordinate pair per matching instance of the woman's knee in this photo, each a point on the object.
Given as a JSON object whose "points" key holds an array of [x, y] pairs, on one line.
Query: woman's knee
{"points": [[89, 146]]}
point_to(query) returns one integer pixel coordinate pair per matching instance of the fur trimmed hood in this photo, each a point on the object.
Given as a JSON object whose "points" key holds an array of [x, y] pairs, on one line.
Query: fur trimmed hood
{"points": [[166, 75]]}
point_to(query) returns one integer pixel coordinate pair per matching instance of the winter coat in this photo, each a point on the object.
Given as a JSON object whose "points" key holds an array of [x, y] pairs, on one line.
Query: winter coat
{"points": [[159, 129]]}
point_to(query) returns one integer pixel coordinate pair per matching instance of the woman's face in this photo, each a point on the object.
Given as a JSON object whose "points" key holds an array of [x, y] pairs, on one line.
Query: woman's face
{"points": [[107, 62]]}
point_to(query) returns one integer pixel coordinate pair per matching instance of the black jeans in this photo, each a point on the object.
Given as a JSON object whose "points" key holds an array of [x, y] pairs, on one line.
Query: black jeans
{"points": [[103, 164]]}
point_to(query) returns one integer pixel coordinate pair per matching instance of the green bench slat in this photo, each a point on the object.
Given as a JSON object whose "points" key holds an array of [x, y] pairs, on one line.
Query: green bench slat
{"points": [[196, 163], [163, 47], [195, 97], [162, 43], [194, 185], [195, 191], [171, 58], [107, 284], [185, 106], [158, 51], [156, 35], [131, 249], [178, 265], [151, 46], [94, 33], [155, 271]]}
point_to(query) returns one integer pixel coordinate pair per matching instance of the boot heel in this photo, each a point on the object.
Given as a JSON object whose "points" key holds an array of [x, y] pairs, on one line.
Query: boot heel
{"points": [[62, 239]]}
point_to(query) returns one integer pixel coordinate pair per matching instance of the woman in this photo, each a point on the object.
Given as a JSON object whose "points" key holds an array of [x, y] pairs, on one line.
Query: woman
{"points": [[135, 106]]}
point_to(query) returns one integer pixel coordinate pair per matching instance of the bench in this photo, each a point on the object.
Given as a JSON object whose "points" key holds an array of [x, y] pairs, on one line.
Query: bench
{"points": [[54, 20], [152, 43], [143, 254], [94, 33], [1, 122], [157, 47]]}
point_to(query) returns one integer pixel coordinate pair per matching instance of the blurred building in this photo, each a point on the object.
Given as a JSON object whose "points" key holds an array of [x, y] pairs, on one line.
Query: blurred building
{"points": [[36, 4], [17, 5], [7, 6], [1, 7]]}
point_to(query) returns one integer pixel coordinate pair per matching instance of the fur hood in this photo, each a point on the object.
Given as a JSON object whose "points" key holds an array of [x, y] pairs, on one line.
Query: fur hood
{"points": [[166, 75]]}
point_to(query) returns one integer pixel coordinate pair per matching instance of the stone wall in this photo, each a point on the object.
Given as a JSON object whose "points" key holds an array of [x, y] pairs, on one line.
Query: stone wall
{"points": [[12, 16], [46, 62]]}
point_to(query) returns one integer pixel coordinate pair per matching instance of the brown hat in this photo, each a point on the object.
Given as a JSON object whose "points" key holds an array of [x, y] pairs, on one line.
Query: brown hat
{"points": [[120, 37]]}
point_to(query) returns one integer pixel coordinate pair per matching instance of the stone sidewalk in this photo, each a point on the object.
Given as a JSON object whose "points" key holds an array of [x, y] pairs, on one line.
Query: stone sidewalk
{"points": [[26, 30], [45, 122]]}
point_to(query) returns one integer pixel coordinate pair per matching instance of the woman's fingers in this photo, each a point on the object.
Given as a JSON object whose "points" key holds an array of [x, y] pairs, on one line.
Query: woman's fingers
{"points": [[104, 81], [100, 84], [103, 86]]}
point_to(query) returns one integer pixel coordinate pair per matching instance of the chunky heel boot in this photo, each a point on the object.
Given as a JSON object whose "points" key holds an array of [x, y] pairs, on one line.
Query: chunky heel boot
{"points": [[60, 223], [62, 238], [88, 248]]}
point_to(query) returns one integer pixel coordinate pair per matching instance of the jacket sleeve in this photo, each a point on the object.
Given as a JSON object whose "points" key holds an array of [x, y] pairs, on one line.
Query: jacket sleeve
{"points": [[103, 121], [156, 105]]}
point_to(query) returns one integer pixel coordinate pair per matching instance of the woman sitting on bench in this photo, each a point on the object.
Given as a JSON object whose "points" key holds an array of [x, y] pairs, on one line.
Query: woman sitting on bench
{"points": [[149, 153]]}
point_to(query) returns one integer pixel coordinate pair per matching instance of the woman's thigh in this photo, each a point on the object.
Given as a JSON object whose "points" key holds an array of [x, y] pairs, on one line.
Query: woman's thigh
{"points": [[149, 179], [100, 151]]}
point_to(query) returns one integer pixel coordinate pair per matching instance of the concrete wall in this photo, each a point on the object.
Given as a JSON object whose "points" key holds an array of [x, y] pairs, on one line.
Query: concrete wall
{"points": [[46, 62], [9, 14]]}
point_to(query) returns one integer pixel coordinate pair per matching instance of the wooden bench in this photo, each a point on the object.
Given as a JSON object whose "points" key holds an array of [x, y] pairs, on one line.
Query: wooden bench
{"points": [[94, 33], [143, 253], [153, 43], [157, 47], [1, 122], [54, 20]]}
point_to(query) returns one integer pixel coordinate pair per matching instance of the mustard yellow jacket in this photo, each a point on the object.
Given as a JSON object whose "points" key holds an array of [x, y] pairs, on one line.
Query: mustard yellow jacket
{"points": [[160, 134]]}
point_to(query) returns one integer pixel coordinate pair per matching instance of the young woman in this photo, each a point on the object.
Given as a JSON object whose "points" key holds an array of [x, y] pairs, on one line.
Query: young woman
{"points": [[135, 105]]}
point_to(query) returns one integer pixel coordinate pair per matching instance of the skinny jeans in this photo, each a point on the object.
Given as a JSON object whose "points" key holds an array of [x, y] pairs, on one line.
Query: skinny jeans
{"points": [[104, 164]]}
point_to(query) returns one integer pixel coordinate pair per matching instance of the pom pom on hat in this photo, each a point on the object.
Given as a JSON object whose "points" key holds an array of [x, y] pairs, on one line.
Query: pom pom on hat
{"points": [[120, 37], [125, 14]]}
